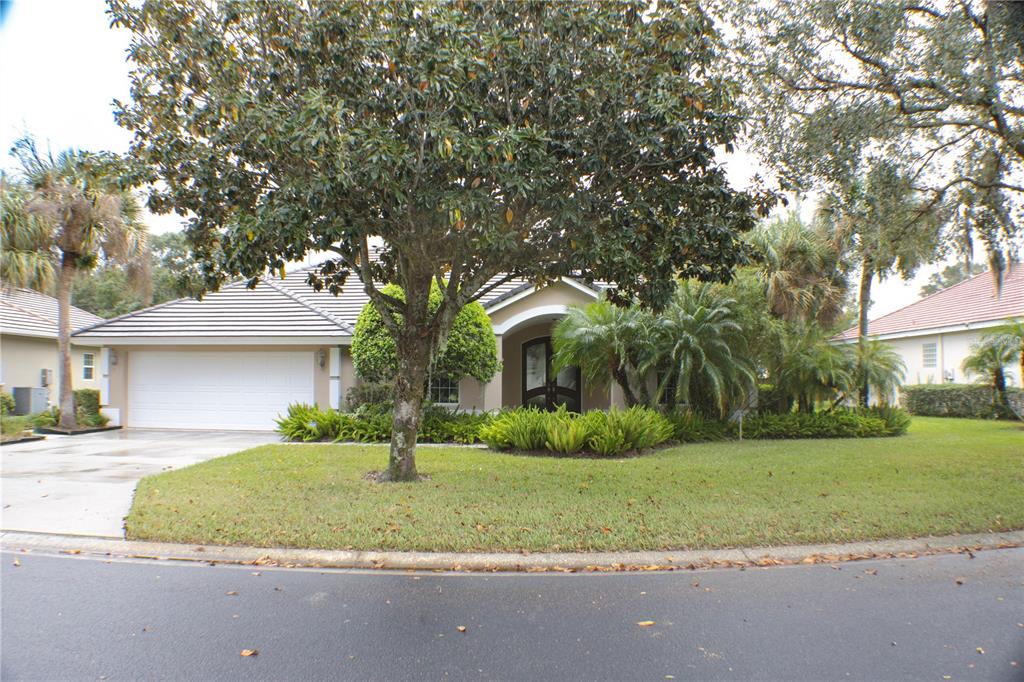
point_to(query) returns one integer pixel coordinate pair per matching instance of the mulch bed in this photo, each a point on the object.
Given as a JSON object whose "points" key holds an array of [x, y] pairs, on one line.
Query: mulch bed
{"points": [[21, 439], [57, 431]]}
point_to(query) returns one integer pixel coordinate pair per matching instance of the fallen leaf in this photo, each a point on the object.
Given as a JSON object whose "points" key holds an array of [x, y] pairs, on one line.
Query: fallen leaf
{"points": [[645, 623], [961, 581], [980, 650], [250, 652], [232, 593], [871, 571], [461, 628], [71, 551]]}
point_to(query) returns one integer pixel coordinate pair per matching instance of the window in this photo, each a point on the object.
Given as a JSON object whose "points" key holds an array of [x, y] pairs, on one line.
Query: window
{"points": [[444, 390], [929, 355], [88, 365]]}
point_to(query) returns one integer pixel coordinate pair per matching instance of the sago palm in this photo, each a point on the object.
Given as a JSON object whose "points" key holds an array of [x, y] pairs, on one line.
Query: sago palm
{"points": [[71, 212], [699, 347], [607, 342]]}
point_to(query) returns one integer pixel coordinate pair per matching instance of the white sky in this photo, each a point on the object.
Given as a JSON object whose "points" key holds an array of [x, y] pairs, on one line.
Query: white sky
{"points": [[61, 67]]}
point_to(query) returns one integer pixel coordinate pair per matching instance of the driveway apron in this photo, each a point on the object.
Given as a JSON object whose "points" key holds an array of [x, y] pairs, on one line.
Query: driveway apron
{"points": [[83, 485]]}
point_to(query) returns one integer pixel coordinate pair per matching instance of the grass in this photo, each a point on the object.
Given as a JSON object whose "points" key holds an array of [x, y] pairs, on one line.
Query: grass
{"points": [[11, 426], [944, 476]]}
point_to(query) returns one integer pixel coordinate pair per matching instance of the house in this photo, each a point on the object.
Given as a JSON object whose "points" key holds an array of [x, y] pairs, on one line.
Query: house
{"points": [[239, 357], [28, 344], [934, 335]]}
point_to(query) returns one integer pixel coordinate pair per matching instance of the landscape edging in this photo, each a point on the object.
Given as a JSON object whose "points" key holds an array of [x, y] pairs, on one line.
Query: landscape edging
{"points": [[13, 541]]}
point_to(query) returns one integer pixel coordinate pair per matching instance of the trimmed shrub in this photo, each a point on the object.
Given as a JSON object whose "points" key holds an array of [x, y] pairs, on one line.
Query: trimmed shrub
{"points": [[6, 403], [897, 420], [308, 423], [973, 401], [839, 424], [87, 407], [377, 395]]}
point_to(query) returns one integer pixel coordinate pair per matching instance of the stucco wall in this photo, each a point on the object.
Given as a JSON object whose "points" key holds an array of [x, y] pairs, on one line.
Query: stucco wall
{"points": [[952, 349], [558, 294], [22, 358]]}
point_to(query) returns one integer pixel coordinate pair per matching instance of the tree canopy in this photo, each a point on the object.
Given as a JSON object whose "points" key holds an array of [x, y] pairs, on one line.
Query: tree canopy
{"points": [[938, 86], [471, 138]]}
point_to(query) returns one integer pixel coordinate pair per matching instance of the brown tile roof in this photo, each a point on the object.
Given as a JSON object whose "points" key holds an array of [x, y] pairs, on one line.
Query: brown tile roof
{"points": [[970, 302]]}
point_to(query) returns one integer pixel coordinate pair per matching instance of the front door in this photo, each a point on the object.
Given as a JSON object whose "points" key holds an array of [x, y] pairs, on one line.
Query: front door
{"points": [[541, 386]]}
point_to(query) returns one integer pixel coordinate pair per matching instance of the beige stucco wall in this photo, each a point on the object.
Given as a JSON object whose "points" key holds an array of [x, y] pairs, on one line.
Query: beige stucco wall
{"points": [[558, 293], [116, 394], [23, 357]]}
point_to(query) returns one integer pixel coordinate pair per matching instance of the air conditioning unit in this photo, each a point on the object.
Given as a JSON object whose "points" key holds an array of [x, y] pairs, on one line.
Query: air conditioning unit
{"points": [[28, 400], [46, 377]]}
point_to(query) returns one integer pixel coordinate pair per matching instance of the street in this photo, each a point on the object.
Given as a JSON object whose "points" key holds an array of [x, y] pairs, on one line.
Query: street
{"points": [[76, 617]]}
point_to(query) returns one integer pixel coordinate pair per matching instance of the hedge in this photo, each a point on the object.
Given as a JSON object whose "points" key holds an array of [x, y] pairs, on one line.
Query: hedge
{"points": [[598, 432], [957, 400]]}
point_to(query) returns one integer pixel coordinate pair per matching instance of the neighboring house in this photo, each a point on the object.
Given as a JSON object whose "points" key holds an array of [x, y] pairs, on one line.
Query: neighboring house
{"points": [[934, 335], [236, 359], [28, 344]]}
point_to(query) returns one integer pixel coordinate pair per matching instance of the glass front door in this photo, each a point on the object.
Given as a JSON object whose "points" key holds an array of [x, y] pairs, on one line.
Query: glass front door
{"points": [[541, 386]]}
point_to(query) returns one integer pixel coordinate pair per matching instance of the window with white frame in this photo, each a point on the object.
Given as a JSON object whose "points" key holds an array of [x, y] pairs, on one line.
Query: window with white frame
{"points": [[88, 366], [443, 390], [929, 355]]}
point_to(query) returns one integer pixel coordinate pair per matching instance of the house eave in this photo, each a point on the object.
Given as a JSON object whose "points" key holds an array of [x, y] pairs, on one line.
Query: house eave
{"points": [[929, 331], [194, 340]]}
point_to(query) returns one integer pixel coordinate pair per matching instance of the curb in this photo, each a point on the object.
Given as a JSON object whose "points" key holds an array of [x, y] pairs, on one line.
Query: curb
{"points": [[13, 541]]}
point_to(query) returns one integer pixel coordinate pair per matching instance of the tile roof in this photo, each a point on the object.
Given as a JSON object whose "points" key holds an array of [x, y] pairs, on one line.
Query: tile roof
{"points": [[279, 307], [972, 301], [24, 312]]}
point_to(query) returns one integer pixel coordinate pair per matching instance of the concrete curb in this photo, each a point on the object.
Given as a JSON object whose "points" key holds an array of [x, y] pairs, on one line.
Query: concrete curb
{"points": [[13, 541]]}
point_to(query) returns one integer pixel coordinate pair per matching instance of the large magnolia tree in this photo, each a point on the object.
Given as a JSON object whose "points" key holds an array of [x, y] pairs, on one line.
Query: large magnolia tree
{"points": [[468, 138]]}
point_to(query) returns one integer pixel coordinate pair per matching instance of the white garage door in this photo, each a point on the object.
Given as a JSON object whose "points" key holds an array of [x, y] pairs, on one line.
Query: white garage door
{"points": [[215, 390]]}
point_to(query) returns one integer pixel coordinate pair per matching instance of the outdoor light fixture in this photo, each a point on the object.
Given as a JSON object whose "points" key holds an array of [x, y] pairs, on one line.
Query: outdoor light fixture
{"points": [[321, 356], [113, 357]]}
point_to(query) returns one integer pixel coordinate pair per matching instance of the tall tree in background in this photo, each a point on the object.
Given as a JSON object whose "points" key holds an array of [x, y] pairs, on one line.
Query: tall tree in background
{"points": [[938, 84], [950, 275], [886, 228], [471, 139], [75, 213], [110, 290]]}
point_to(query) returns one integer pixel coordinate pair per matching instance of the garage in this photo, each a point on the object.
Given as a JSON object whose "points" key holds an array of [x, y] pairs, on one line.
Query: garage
{"points": [[237, 390]]}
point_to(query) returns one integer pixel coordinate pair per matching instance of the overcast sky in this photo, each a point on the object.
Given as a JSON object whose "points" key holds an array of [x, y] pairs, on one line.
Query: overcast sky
{"points": [[61, 67]]}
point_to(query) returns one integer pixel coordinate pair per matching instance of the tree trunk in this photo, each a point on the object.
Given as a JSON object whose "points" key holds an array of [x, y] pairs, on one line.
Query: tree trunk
{"points": [[866, 275], [1000, 386], [622, 379], [410, 383], [68, 418]]}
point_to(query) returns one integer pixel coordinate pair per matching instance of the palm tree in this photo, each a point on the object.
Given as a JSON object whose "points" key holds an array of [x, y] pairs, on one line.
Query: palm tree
{"points": [[699, 347], [74, 212], [811, 369], [607, 342], [988, 359], [880, 368], [1012, 331], [800, 271], [882, 224]]}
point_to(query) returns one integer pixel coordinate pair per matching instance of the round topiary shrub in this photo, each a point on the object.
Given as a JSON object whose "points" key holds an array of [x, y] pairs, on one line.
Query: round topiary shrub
{"points": [[471, 351]]}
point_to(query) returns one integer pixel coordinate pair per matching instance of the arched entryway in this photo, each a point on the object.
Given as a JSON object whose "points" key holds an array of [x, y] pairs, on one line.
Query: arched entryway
{"points": [[543, 387]]}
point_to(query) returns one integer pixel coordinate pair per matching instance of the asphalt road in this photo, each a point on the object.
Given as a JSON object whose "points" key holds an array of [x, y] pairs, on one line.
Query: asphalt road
{"points": [[68, 617]]}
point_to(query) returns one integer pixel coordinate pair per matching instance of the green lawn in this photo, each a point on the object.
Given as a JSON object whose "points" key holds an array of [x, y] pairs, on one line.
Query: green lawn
{"points": [[945, 476]]}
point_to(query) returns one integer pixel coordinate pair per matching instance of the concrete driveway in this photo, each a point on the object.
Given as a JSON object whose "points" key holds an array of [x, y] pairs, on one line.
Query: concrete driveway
{"points": [[83, 485]]}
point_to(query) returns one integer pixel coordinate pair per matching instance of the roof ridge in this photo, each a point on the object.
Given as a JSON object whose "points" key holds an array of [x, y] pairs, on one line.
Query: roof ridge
{"points": [[274, 284]]}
